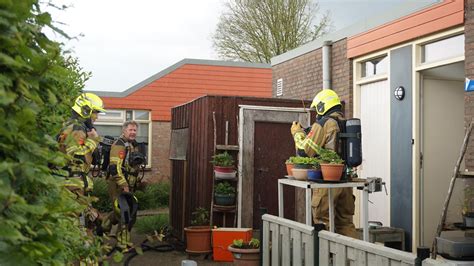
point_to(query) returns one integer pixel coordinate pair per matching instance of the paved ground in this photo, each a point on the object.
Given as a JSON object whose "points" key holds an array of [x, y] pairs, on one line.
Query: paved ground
{"points": [[163, 258]]}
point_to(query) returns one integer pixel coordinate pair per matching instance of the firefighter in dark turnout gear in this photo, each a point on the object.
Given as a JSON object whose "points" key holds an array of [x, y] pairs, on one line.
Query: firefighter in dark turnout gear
{"points": [[122, 178], [78, 139], [324, 134]]}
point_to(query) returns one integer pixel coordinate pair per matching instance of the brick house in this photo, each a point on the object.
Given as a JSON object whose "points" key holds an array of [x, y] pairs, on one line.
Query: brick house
{"points": [[412, 142], [150, 101]]}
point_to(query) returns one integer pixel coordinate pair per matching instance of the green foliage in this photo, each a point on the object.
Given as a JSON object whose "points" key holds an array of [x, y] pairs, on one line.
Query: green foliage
{"points": [[200, 216], [222, 159], [103, 203], [153, 196], [329, 156], [256, 31], [150, 224], [313, 161], [224, 188], [239, 243], [38, 82]]}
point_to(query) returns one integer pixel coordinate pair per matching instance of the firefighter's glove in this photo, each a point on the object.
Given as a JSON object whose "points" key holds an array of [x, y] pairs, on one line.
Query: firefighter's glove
{"points": [[295, 128]]}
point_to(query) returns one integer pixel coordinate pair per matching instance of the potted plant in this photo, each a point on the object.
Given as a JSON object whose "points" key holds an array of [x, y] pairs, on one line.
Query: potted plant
{"points": [[468, 206], [289, 166], [332, 165], [223, 165], [246, 253], [315, 173], [224, 194], [301, 165], [198, 235]]}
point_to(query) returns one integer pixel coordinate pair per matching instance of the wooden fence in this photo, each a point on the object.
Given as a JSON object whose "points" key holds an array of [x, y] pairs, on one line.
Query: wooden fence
{"points": [[291, 243], [345, 250], [286, 242]]}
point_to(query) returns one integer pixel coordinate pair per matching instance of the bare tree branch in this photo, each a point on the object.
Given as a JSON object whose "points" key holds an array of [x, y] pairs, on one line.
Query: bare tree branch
{"points": [[257, 30]]}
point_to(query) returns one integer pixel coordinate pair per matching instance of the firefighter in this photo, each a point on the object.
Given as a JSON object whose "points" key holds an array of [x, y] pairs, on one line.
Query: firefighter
{"points": [[323, 133], [78, 139], [122, 178]]}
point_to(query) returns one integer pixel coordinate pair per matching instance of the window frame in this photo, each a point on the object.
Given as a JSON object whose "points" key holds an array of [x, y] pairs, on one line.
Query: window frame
{"points": [[104, 121]]}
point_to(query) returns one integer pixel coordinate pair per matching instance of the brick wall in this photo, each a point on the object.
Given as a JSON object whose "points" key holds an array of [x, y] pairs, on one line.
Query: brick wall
{"points": [[160, 164], [469, 71], [303, 77]]}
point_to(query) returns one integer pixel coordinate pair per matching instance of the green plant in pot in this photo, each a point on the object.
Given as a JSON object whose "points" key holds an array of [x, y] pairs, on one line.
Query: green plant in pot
{"points": [[332, 166], [304, 162], [468, 206], [198, 235], [224, 194], [223, 163], [246, 253]]}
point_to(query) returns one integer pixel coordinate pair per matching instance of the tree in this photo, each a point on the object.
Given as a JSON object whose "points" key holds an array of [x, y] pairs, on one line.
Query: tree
{"points": [[257, 30], [38, 82]]}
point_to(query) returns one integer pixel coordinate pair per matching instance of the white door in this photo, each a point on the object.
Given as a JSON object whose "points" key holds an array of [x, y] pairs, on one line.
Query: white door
{"points": [[375, 121], [442, 137]]}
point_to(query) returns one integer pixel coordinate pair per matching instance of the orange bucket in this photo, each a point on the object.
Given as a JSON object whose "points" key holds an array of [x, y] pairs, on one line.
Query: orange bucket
{"points": [[223, 237]]}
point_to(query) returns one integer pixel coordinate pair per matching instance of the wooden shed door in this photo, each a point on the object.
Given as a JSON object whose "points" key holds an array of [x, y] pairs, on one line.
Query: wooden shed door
{"points": [[265, 143], [273, 145]]}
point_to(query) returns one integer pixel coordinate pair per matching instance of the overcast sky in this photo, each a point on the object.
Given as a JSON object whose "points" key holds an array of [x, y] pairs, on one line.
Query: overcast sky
{"points": [[125, 42]]}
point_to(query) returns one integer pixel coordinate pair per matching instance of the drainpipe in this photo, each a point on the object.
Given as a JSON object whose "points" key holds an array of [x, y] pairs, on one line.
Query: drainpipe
{"points": [[327, 45]]}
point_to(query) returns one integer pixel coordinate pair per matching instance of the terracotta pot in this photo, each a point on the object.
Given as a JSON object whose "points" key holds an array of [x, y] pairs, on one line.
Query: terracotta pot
{"points": [[245, 257], [198, 239], [224, 169], [289, 167], [332, 172]]}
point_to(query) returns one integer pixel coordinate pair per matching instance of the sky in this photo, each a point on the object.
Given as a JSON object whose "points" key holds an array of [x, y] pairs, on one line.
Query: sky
{"points": [[123, 42]]}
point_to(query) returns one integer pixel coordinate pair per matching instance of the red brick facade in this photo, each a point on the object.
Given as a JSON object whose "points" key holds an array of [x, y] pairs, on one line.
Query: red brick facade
{"points": [[160, 164], [303, 77], [469, 70]]}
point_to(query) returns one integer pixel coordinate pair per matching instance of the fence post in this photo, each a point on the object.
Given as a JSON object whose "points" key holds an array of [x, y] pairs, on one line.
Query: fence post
{"points": [[263, 211], [422, 253], [317, 228]]}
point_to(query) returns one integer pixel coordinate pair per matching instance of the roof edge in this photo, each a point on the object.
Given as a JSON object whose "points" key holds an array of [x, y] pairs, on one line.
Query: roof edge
{"points": [[357, 28], [166, 71]]}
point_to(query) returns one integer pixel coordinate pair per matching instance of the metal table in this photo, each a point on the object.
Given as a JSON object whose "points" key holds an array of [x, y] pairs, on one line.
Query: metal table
{"points": [[308, 186]]}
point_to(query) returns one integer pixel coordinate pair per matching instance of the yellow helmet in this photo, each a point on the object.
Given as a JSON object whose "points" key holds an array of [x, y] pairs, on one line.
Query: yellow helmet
{"points": [[87, 103], [325, 100]]}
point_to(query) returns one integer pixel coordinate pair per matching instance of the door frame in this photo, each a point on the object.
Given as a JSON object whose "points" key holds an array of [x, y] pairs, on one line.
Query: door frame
{"points": [[248, 115]]}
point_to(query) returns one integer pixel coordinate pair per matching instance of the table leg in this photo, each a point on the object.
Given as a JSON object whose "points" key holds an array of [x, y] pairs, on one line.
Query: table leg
{"points": [[331, 211], [309, 215], [365, 214], [280, 200]]}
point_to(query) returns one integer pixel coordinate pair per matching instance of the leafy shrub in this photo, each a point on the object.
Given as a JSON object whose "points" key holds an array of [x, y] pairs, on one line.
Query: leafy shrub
{"points": [[222, 159], [38, 83], [103, 203], [224, 188], [150, 224], [313, 161], [153, 196], [329, 156], [200, 216], [239, 243]]}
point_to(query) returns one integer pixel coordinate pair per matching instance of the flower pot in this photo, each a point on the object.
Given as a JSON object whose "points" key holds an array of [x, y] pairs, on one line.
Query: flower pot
{"points": [[224, 200], [300, 174], [289, 168], [245, 257], [332, 172], [315, 174], [469, 219], [224, 169], [225, 175], [198, 239]]}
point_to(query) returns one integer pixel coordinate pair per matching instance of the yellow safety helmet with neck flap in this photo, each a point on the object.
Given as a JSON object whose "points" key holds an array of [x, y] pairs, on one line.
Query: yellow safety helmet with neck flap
{"points": [[86, 103], [325, 100]]}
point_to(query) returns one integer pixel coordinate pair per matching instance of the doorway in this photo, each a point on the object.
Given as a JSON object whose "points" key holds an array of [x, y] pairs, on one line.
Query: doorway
{"points": [[442, 133]]}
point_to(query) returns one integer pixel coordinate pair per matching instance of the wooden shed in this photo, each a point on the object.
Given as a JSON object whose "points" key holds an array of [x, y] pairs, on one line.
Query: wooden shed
{"points": [[258, 135]]}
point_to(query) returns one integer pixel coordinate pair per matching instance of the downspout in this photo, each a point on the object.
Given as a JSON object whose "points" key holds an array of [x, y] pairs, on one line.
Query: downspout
{"points": [[327, 47]]}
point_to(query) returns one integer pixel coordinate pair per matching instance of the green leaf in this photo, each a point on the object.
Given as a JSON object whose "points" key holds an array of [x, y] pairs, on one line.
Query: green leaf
{"points": [[118, 256], [139, 250]]}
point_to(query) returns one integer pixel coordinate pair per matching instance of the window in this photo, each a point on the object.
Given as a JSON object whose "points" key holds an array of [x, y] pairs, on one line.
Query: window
{"points": [[110, 124], [443, 49], [279, 91], [375, 66]]}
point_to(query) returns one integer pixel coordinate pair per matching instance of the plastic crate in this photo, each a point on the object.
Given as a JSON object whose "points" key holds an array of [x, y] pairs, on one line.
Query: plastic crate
{"points": [[223, 237]]}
